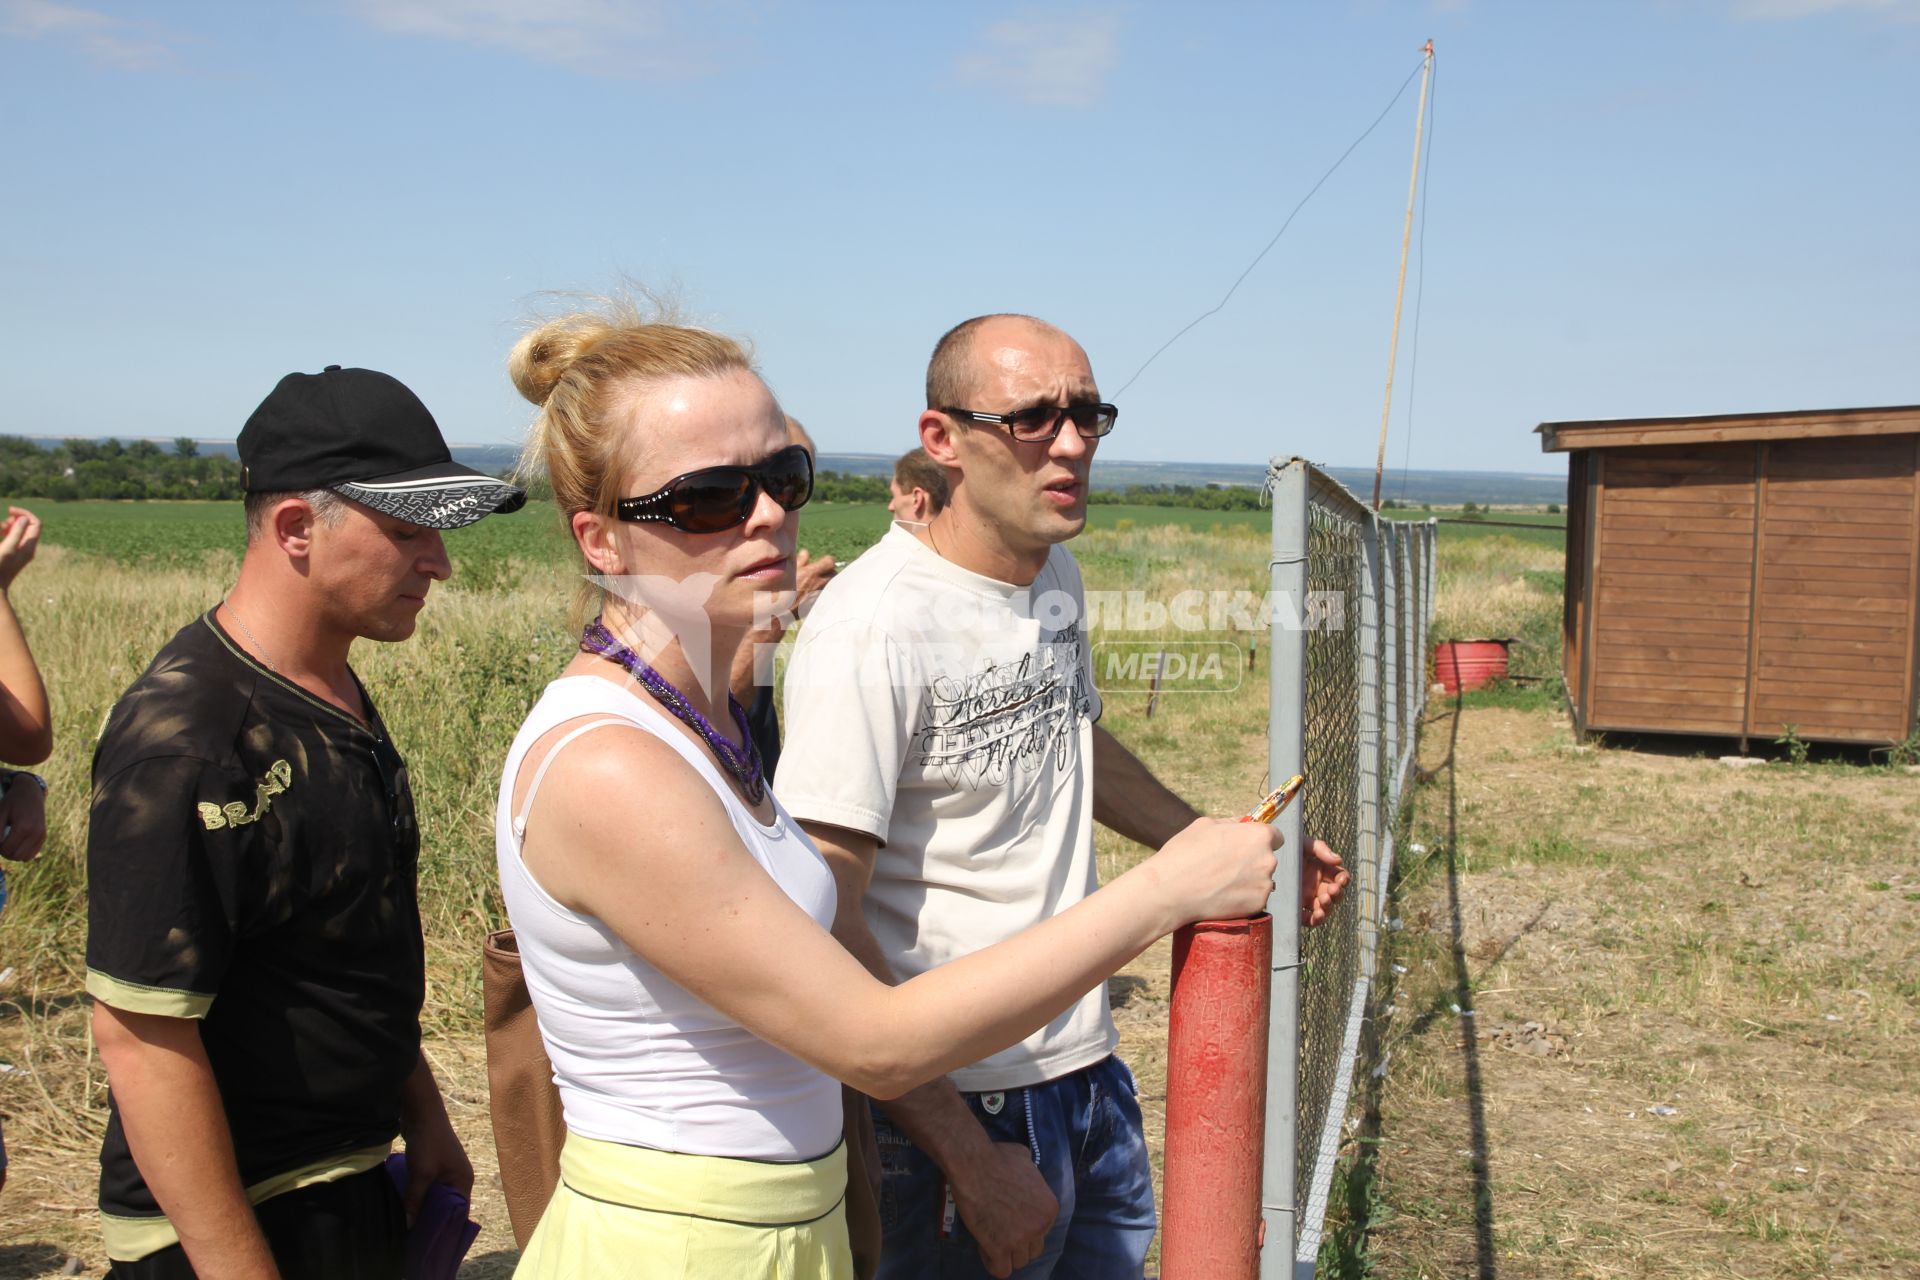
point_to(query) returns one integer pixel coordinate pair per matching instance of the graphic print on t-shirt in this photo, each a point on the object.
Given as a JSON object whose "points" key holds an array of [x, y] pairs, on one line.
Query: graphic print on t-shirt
{"points": [[1000, 723]]}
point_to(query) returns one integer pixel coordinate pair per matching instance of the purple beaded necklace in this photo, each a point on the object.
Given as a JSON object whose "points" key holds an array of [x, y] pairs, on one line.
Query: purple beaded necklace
{"points": [[743, 765]]}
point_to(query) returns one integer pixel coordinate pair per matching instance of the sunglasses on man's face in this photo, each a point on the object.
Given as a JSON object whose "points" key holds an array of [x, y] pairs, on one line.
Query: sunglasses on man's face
{"points": [[715, 499], [1043, 422]]}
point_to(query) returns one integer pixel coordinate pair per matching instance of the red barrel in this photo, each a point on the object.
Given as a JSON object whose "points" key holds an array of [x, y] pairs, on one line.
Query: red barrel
{"points": [[1216, 1100], [1469, 664]]}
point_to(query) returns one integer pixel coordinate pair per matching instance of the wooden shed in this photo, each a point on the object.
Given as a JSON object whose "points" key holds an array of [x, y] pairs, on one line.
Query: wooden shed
{"points": [[1738, 574]]}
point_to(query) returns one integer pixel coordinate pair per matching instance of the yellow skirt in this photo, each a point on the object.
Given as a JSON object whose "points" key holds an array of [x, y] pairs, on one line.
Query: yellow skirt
{"points": [[623, 1211]]}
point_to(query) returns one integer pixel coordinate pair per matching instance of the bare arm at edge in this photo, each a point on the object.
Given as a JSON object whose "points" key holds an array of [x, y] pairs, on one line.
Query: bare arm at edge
{"points": [[1127, 798], [177, 1131], [26, 722]]}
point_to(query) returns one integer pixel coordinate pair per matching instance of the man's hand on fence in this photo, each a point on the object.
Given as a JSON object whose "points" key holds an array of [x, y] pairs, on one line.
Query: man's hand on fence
{"points": [[1322, 880], [1007, 1207]]}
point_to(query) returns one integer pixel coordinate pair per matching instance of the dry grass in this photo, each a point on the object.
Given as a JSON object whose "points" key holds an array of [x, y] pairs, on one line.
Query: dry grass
{"points": [[453, 697], [1640, 932], [1737, 945], [1500, 587]]}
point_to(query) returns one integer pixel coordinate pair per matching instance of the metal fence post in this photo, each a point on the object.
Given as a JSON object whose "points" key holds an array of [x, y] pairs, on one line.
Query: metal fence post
{"points": [[1393, 636], [1286, 756], [1398, 652], [1409, 681], [1433, 589], [1347, 693], [1373, 734], [1386, 557], [1416, 638]]}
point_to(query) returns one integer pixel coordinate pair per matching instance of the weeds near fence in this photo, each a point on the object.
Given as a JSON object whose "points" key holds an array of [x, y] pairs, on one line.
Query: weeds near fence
{"points": [[1688, 1065]]}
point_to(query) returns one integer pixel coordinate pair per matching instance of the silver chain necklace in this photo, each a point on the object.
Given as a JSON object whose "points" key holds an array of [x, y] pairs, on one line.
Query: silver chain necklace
{"points": [[251, 638]]}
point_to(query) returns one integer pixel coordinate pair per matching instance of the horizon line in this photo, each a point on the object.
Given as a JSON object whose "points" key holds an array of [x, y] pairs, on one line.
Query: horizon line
{"points": [[854, 453]]}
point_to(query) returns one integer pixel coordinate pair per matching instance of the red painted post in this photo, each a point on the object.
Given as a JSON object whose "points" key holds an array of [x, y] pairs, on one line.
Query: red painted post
{"points": [[1216, 1100]]}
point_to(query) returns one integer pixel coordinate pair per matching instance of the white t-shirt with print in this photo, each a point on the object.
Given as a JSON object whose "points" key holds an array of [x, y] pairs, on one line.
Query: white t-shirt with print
{"points": [[950, 715]]}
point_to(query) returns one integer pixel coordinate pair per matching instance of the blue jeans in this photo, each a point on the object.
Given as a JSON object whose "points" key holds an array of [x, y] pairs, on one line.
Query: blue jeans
{"points": [[1085, 1133]]}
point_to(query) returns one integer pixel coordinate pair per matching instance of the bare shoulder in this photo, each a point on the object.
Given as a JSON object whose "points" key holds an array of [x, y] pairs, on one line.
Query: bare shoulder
{"points": [[617, 765], [611, 800]]}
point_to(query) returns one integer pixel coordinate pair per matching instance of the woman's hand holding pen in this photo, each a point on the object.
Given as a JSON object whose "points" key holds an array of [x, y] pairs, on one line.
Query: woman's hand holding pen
{"points": [[1217, 869]]}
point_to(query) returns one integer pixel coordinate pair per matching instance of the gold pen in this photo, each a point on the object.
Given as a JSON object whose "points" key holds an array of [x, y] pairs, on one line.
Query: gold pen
{"points": [[1277, 799]]}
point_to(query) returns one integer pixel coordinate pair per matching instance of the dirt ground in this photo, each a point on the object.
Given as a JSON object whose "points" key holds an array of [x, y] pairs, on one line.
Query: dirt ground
{"points": [[1653, 1015], [1685, 1043], [54, 1101]]}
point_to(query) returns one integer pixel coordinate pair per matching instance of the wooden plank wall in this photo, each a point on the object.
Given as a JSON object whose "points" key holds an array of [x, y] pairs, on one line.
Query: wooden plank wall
{"points": [[1573, 607], [1673, 582], [1839, 550]]}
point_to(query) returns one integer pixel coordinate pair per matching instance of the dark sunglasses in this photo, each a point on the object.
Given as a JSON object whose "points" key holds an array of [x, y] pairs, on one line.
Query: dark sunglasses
{"points": [[714, 499], [1042, 422], [393, 780]]}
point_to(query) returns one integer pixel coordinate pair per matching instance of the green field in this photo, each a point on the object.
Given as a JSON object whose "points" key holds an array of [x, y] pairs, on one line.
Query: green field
{"points": [[1506, 579], [1551, 534], [182, 533], [163, 533]]}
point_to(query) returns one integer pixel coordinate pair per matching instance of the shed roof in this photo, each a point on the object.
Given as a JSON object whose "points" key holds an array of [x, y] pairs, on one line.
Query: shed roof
{"points": [[1803, 424]]}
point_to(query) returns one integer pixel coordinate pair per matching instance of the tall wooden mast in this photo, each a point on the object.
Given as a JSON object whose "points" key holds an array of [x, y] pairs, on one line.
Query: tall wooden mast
{"points": [[1406, 237]]}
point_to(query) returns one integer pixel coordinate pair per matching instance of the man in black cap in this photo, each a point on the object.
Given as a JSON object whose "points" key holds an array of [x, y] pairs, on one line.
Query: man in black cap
{"points": [[254, 949]]}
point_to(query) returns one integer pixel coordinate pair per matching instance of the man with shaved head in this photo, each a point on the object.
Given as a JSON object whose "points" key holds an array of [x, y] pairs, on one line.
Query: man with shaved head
{"points": [[943, 754]]}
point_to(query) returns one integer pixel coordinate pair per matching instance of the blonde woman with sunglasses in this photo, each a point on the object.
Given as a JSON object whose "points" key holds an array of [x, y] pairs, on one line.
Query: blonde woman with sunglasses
{"points": [[672, 920]]}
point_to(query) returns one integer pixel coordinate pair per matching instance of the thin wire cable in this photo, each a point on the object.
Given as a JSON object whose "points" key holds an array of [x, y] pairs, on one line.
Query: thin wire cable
{"points": [[1420, 279], [1221, 305]]}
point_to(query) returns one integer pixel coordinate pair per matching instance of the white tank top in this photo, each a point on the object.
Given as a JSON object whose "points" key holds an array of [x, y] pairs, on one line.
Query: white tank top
{"points": [[638, 1058]]}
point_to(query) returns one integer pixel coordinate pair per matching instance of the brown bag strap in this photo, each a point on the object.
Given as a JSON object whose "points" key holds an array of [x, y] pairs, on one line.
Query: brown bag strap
{"points": [[528, 1127]]}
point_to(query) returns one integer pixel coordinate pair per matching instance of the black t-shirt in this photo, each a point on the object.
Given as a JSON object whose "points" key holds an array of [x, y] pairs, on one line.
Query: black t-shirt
{"points": [[251, 863]]}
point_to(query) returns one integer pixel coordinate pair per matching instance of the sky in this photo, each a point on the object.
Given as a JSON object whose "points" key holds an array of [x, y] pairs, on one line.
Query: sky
{"points": [[1636, 208]]}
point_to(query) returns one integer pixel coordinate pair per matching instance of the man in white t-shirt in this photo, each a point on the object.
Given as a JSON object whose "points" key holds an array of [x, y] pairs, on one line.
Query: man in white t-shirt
{"points": [[918, 489], [943, 753]]}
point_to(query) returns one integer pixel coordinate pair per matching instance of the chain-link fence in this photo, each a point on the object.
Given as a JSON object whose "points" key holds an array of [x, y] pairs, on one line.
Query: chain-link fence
{"points": [[1354, 600]]}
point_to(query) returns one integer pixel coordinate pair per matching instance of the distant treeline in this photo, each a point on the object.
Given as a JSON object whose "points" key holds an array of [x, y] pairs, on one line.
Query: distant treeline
{"points": [[828, 486], [838, 486], [108, 469]]}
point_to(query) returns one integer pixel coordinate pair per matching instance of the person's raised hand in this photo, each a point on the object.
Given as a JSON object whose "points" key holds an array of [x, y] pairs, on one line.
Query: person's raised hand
{"points": [[19, 539], [810, 576]]}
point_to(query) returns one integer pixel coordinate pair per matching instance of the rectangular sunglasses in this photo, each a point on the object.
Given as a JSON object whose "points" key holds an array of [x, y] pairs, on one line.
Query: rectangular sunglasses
{"points": [[714, 499], [1042, 422]]}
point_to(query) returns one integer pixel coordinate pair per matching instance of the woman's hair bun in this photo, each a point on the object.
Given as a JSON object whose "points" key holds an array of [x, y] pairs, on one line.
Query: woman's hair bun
{"points": [[542, 357]]}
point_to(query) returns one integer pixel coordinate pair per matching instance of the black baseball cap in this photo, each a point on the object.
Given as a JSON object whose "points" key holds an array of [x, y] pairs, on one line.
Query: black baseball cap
{"points": [[363, 435]]}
